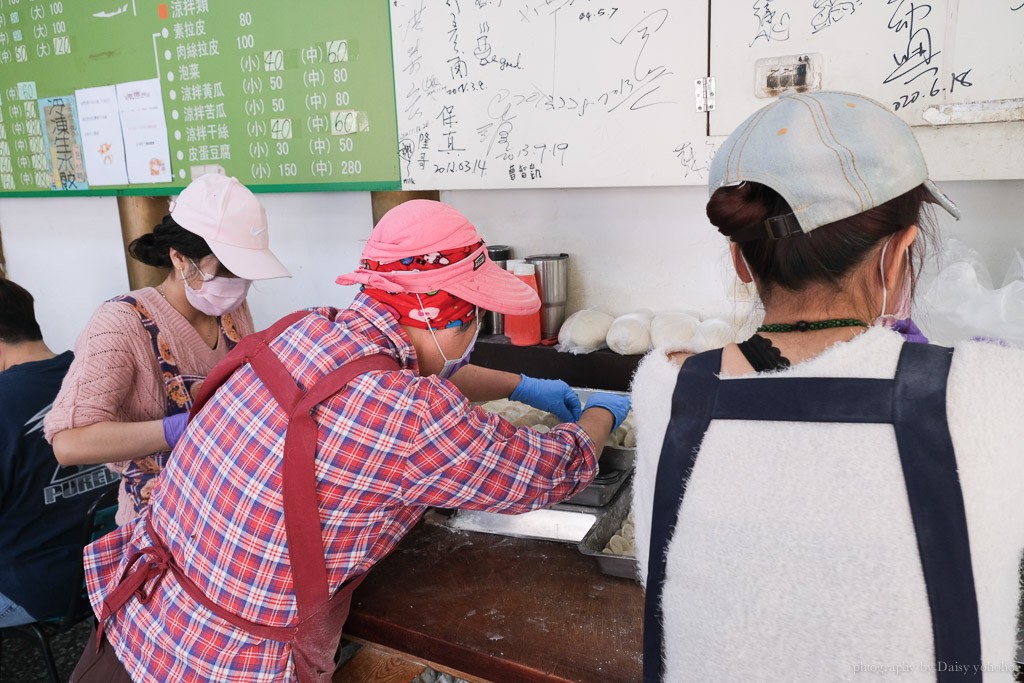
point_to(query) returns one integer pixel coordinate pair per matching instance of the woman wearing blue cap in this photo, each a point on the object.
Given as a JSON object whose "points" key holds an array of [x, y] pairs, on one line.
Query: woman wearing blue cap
{"points": [[825, 499]]}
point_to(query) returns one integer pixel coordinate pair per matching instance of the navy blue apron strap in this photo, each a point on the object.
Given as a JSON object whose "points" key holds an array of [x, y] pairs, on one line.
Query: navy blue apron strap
{"points": [[810, 399], [692, 403], [937, 508]]}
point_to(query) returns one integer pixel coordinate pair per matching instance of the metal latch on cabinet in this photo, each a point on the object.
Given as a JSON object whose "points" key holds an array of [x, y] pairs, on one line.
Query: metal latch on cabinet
{"points": [[704, 89]]}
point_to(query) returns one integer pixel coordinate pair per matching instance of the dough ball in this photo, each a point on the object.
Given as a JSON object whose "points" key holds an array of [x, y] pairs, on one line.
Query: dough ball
{"points": [[584, 331], [673, 329], [713, 333], [630, 334]]}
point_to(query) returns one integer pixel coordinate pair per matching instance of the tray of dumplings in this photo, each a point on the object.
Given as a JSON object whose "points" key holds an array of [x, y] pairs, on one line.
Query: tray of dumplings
{"points": [[611, 539]]}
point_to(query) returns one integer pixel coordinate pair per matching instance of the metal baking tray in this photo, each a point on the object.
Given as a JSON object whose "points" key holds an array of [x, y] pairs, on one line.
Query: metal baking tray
{"points": [[617, 458], [604, 528], [601, 490]]}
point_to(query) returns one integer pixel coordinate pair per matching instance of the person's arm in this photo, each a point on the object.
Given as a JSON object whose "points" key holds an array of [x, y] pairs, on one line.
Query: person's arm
{"points": [[103, 442], [464, 457], [550, 395], [598, 424], [87, 424], [484, 384]]}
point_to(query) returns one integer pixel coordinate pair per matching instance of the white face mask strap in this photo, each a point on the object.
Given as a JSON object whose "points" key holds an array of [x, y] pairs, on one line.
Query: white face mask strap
{"points": [[881, 272], [431, 329]]}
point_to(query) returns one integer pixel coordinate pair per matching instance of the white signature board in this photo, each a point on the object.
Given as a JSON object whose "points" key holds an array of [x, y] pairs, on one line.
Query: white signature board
{"points": [[549, 93]]}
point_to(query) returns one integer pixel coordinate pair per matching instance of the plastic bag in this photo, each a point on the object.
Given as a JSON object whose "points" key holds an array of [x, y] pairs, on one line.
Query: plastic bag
{"points": [[962, 302], [584, 331]]}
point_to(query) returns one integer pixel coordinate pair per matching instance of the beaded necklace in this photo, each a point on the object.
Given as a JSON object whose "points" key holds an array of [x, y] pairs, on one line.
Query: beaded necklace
{"points": [[804, 326]]}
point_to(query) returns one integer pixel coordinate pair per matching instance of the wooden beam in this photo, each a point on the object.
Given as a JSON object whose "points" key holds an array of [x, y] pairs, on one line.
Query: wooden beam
{"points": [[139, 215], [375, 651], [373, 665]]}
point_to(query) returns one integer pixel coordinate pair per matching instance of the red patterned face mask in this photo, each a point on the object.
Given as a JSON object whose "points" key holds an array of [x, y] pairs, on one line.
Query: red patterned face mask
{"points": [[439, 308]]}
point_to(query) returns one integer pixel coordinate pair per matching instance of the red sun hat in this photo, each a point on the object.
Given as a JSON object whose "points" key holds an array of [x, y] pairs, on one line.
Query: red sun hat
{"points": [[422, 227]]}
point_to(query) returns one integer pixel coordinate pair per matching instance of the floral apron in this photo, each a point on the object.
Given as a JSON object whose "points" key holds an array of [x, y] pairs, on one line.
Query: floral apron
{"points": [[140, 475]]}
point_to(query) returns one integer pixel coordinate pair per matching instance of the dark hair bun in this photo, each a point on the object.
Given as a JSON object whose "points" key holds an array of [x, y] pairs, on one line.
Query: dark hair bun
{"points": [[735, 207], [153, 248]]}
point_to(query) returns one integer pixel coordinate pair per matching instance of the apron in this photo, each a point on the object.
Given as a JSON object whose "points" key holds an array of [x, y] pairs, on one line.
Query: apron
{"points": [[140, 474], [321, 616], [914, 402]]}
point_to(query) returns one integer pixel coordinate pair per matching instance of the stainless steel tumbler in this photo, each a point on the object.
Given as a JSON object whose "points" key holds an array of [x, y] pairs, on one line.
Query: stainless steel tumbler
{"points": [[553, 283], [494, 323]]}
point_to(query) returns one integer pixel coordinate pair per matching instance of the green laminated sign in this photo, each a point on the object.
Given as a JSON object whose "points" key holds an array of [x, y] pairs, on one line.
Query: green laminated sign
{"points": [[117, 97]]}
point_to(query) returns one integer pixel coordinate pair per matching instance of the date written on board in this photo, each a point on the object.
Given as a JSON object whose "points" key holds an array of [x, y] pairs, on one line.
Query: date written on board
{"points": [[956, 80], [603, 13]]}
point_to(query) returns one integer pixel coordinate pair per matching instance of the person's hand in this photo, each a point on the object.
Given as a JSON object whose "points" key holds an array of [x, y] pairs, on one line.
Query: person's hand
{"points": [[616, 404], [174, 427], [550, 395], [910, 331]]}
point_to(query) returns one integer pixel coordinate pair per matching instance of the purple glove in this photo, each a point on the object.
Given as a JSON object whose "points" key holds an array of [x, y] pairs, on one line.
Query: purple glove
{"points": [[174, 427], [909, 330]]}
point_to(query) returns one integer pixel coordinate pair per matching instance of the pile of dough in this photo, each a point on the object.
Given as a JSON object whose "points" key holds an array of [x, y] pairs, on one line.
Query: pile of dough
{"points": [[622, 541], [630, 334], [584, 331], [713, 333], [673, 329]]}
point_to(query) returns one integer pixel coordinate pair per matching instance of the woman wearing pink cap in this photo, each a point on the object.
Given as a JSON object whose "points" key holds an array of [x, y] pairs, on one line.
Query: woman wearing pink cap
{"points": [[314, 448], [126, 398]]}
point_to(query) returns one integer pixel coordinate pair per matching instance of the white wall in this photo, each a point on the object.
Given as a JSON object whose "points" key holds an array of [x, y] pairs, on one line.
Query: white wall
{"points": [[630, 248], [654, 248], [68, 253]]}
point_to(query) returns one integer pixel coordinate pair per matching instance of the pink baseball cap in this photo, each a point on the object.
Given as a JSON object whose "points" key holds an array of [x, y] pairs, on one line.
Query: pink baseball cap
{"points": [[226, 214], [421, 227]]}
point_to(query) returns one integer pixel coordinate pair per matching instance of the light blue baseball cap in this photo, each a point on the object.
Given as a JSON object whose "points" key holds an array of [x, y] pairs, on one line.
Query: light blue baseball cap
{"points": [[829, 154]]}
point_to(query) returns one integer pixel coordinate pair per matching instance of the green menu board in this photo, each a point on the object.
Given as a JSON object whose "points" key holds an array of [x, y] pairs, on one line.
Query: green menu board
{"points": [[139, 97]]}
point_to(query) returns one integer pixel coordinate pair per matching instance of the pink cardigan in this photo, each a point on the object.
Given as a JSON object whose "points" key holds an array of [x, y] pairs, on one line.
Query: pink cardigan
{"points": [[115, 376]]}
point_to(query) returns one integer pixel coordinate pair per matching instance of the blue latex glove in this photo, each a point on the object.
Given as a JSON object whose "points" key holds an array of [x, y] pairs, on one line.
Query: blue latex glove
{"points": [[616, 404], [174, 427], [910, 331], [550, 395]]}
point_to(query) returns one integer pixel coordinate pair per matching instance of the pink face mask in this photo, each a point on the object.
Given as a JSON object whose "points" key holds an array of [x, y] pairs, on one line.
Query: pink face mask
{"points": [[218, 295]]}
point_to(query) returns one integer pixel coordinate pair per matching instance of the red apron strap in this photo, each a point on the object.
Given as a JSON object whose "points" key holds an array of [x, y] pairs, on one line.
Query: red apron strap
{"points": [[301, 508], [238, 357], [148, 567]]}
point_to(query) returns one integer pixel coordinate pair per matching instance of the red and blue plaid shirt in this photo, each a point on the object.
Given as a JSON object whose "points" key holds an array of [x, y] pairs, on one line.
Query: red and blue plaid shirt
{"points": [[389, 445]]}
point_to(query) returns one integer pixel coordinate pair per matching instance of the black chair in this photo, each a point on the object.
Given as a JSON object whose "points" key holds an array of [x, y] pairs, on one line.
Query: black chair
{"points": [[99, 520]]}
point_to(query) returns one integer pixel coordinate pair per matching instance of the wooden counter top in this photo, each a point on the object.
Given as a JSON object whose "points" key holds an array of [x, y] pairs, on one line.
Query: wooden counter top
{"points": [[501, 609]]}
